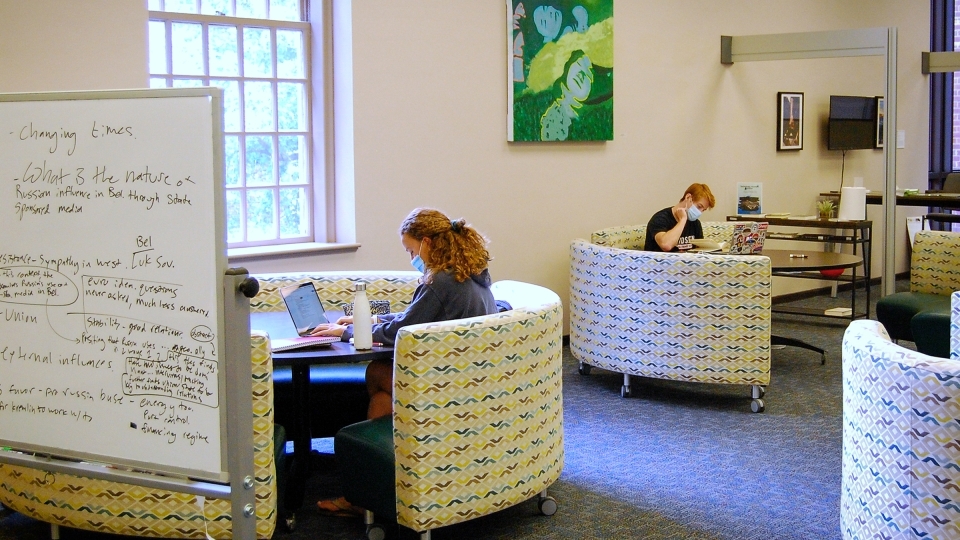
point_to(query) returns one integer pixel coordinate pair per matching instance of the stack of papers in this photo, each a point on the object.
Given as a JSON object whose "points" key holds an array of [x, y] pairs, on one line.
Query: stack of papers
{"points": [[838, 312]]}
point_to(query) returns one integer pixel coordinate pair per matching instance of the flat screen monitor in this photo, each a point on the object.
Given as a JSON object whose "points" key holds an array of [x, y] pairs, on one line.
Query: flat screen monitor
{"points": [[853, 123]]}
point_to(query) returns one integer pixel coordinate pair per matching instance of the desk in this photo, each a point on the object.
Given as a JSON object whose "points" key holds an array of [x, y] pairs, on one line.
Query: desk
{"points": [[781, 263], [853, 232], [936, 200], [278, 325]]}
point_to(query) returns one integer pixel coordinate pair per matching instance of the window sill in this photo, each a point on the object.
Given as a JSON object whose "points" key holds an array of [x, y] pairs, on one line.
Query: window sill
{"points": [[236, 254]]}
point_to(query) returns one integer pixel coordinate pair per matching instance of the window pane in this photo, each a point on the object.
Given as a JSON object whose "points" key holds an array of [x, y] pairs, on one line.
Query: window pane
{"points": [[256, 9], [187, 49], [285, 10], [180, 6], [215, 7], [234, 216], [231, 103], [290, 54], [258, 106], [261, 216], [290, 102], [153, 5], [294, 214], [187, 83], [259, 161], [292, 154], [224, 59], [158, 82], [158, 46], [257, 53], [231, 158]]}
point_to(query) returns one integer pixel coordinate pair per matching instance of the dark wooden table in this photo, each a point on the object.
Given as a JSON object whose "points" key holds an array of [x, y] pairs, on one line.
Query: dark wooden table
{"points": [[786, 261], [279, 325], [935, 199]]}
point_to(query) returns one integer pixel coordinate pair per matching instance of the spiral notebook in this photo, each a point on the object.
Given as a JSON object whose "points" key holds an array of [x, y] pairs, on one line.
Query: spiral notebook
{"points": [[305, 309]]}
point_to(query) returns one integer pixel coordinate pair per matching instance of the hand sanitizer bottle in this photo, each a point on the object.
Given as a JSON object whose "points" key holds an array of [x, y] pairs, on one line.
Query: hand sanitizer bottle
{"points": [[362, 325]]}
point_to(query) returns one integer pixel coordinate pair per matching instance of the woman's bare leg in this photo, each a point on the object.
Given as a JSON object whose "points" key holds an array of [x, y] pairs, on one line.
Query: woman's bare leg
{"points": [[380, 388]]}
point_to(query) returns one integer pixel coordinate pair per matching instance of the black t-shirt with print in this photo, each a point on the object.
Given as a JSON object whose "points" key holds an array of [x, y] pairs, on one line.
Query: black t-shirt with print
{"points": [[663, 221]]}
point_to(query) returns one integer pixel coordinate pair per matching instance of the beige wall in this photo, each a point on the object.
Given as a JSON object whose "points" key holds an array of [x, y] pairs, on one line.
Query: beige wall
{"points": [[430, 105]]}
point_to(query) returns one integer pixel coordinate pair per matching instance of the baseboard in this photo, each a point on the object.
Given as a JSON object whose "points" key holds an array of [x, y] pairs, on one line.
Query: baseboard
{"points": [[802, 295]]}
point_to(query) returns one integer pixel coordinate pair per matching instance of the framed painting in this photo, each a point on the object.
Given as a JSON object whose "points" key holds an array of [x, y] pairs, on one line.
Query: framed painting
{"points": [[879, 138], [789, 121], [560, 70]]}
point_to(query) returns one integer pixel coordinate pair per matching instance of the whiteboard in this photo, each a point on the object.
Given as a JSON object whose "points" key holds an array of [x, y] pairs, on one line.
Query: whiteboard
{"points": [[111, 273]]}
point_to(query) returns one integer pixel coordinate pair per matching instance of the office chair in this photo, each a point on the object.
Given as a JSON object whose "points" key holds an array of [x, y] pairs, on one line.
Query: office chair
{"points": [[951, 184]]}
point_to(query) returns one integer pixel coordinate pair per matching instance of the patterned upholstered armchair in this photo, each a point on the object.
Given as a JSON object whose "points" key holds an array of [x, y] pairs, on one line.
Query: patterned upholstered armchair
{"points": [[118, 508], [686, 317], [922, 315], [901, 423], [477, 423]]}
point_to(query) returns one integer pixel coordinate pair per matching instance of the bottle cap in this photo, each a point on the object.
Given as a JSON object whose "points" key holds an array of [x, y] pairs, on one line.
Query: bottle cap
{"points": [[357, 287]]}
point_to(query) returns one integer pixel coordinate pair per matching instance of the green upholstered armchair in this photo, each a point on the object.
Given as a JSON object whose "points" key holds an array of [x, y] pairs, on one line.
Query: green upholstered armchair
{"points": [[477, 423], [922, 315], [682, 316], [117, 508]]}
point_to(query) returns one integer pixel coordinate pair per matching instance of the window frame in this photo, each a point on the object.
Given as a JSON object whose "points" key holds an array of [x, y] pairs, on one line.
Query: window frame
{"points": [[317, 116]]}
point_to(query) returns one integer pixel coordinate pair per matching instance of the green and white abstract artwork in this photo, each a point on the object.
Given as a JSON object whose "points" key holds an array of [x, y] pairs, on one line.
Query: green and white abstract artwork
{"points": [[560, 70]]}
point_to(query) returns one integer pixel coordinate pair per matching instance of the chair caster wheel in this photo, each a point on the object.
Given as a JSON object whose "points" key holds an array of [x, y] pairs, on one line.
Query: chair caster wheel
{"points": [[290, 522], [376, 532], [823, 359], [757, 405], [625, 391], [547, 505], [584, 369]]}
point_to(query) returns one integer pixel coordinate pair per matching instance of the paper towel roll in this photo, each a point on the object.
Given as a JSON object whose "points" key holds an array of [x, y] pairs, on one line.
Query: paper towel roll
{"points": [[853, 203]]}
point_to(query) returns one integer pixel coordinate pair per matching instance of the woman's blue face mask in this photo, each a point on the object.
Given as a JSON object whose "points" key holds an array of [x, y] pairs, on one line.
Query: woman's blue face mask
{"points": [[418, 263]]}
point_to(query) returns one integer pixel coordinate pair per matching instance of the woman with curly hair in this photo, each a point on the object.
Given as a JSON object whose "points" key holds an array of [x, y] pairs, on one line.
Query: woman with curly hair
{"points": [[456, 284], [453, 258]]}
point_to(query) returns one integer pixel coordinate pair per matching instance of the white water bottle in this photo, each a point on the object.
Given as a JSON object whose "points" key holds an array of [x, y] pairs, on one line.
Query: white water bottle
{"points": [[362, 324]]}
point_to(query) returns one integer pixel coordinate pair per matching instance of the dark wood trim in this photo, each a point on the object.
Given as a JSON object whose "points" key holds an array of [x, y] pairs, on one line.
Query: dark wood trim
{"points": [[803, 295]]}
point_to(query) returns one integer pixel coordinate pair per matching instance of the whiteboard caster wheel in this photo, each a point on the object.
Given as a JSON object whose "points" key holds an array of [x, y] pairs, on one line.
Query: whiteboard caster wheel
{"points": [[757, 405], [547, 505], [375, 531], [624, 391], [584, 368]]}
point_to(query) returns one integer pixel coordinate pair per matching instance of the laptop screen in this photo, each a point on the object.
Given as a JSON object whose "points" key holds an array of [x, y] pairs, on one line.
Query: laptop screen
{"points": [[304, 307]]}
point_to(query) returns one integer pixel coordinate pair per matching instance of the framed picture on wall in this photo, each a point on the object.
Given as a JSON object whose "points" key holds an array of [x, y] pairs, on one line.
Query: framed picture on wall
{"points": [[879, 143], [789, 121]]}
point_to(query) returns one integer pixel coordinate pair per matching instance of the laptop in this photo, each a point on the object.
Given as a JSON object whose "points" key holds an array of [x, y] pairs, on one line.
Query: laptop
{"points": [[306, 311], [748, 238]]}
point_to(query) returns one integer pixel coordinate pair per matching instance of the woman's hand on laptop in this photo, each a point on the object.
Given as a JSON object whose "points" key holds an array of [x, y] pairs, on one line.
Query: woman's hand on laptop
{"points": [[345, 320], [329, 329]]}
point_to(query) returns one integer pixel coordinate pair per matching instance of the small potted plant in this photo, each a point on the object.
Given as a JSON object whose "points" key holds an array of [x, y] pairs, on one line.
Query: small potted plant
{"points": [[825, 208]]}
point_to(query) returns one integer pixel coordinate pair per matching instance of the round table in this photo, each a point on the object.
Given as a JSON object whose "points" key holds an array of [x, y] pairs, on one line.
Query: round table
{"points": [[795, 260]]}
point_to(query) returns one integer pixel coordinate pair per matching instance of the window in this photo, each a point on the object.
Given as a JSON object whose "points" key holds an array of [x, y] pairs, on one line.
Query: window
{"points": [[257, 51]]}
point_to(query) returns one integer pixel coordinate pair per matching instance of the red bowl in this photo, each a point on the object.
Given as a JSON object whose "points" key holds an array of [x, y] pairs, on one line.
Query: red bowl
{"points": [[832, 273]]}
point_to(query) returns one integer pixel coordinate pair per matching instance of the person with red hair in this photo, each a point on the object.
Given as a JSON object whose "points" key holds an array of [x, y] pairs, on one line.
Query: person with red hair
{"points": [[673, 228]]}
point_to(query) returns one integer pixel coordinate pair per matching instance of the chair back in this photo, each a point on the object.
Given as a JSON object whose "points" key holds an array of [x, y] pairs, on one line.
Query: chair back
{"points": [[901, 461], [336, 289], [478, 410], [935, 263], [634, 236], [951, 184], [955, 326]]}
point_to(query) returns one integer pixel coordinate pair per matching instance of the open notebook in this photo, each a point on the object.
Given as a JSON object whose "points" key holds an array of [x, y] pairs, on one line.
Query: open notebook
{"points": [[306, 311]]}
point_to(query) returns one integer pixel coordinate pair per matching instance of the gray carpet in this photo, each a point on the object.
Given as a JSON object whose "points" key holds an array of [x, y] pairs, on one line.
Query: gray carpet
{"points": [[675, 461]]}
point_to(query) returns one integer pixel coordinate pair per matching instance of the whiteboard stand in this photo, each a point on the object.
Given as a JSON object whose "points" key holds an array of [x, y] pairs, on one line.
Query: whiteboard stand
{"points": [[128, 313]]}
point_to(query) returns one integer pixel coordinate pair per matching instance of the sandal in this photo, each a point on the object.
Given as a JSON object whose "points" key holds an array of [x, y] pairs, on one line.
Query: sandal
{"points": [[338, 507]]}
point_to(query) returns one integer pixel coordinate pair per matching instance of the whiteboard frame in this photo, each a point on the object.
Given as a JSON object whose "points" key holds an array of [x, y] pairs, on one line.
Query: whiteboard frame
{"points": [[215, 95]]}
